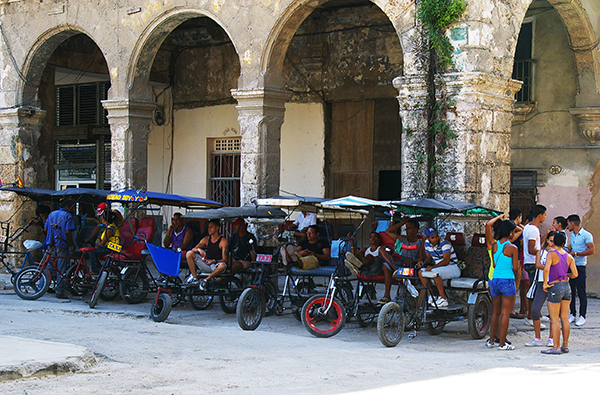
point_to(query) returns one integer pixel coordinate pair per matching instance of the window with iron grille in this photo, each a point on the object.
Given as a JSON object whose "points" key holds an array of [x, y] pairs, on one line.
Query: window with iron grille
{"points": [[80, 104], [523, 66], [225, 164]]}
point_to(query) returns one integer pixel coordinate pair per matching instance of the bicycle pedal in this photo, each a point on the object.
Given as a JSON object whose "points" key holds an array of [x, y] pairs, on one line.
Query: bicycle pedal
{"points": [[412, 335]]}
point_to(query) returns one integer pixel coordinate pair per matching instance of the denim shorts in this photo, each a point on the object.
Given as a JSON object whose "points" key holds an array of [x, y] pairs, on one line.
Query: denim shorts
{"points": [[503, 286], [559, 292]]}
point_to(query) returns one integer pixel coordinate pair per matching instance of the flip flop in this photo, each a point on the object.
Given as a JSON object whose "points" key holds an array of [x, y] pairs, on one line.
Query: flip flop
{"points": [[384, 300], [551, 351], [564, 350]]}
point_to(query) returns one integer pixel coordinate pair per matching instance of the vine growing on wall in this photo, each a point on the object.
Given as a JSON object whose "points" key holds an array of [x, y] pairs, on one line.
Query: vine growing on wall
{"points": [[435, 52]]}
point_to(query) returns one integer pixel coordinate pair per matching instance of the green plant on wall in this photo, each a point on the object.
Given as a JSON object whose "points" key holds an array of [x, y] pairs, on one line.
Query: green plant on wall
{"points": [[435, 51]]}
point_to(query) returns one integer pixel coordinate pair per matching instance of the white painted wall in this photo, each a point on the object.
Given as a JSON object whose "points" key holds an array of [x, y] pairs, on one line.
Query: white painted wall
{"points": [[302, 148]]}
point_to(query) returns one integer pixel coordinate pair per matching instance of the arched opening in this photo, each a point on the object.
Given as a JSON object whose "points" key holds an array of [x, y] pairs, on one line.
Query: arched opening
{"points": [[194, 141], [550, 160], [71, 78], [342, 129]]}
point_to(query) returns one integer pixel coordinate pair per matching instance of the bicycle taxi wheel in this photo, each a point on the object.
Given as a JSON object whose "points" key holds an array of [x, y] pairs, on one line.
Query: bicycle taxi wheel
{"points": [[250, 309], [161, 308], [323, 316], [390, 324], [31, 283]]}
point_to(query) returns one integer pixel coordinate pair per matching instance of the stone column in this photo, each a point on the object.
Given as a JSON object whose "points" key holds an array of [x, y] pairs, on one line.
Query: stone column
{"points": [[129, 126], [20, 130], [260, 116], [476, 165]]}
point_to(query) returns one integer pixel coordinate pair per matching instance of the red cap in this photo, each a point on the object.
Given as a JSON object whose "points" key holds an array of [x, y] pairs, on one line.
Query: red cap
{"points": [[101, 208], [238, 221]]}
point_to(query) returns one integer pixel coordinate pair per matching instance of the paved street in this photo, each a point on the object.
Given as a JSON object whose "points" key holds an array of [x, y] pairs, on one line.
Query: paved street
{"points": [[123, 351]]}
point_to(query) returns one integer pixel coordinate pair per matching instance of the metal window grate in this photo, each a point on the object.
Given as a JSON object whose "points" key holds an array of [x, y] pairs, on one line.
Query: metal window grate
{"points": [[523, 71], [225, 170]]}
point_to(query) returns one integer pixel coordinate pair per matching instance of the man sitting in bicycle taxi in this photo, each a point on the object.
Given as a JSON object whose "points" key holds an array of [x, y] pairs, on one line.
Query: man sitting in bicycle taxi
{"points": [[369, 260], [242, 250], [109, 224], [213, 260], [310, 252], [441, 260], [409, 248], [179, 237]]}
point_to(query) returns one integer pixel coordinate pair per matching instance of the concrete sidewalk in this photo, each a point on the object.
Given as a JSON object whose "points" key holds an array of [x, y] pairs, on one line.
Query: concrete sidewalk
{"points": [[35, 358]]}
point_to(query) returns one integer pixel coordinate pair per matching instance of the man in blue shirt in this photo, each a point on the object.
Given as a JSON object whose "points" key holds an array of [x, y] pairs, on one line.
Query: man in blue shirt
{"points": [[59, 238], [582, 246]]}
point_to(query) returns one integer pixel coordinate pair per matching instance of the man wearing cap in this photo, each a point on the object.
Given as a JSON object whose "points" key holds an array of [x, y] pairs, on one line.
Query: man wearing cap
{"points": [[59, 227], [440, 259], [179, 237], [241, 245]]}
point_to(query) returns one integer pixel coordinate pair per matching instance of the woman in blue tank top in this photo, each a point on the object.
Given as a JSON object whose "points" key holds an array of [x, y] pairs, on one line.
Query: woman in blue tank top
{"points": [[505, 260]]}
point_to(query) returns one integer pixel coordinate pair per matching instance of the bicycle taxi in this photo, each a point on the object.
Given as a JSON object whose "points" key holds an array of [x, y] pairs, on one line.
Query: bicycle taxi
{"points": [[125, 271], [468, 295]]}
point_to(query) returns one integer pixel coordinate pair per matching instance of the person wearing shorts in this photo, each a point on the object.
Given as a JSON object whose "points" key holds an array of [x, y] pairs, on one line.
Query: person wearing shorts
{"points": [[503, 289], [443, 262], [213, 260], [559, 268]]}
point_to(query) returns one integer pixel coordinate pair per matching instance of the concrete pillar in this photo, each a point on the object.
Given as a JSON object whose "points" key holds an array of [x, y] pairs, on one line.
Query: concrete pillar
{"points": [[129, 126], [261, 113], [476, 165]]}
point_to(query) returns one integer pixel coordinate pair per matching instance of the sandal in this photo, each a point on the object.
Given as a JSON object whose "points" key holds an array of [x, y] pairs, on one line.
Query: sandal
{"points": [[551, 351], [564, 350], [384, 300]]}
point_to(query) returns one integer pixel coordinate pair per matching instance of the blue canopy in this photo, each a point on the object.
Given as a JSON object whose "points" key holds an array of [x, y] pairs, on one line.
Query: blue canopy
{"points": [[165, 199], [36, 194], [85, 194]]}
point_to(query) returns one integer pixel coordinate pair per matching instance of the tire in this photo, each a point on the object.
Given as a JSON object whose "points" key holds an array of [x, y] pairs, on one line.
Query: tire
{"points": [[250, 309], [390, 324], [98, 288], [134, 286], [270, 296], [77, 283], [479, 317], [229, 301], [200, 301], [364, 317], [319, 324], [161, 308], [111, 288], [346, 294], [436, 327], [31, 283]]}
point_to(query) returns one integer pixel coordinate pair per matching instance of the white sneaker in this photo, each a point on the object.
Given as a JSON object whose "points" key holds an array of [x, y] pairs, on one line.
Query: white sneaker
{"points": [[191, 280], [542, 326], [351, 267], [528, 322], [580, 321], [350, 257], [571, 318], [544, 319], [282, 251], [441, 302], [550, 343], [534, 343]]}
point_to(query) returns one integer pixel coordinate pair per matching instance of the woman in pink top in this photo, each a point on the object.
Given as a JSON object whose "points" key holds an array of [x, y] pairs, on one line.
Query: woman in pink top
{"points": [[556, 283]]}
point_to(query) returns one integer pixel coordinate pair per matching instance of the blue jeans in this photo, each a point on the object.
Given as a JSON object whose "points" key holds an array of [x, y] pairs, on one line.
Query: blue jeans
{"points": [[503, 286], [62, 264], [578, 290]]}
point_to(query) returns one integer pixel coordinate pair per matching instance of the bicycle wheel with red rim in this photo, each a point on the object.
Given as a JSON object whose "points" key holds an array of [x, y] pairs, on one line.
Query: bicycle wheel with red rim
{"points": [[323, 316]]}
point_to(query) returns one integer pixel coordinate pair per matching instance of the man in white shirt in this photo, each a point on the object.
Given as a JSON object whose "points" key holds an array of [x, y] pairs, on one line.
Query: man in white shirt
{"points": [[302, 222], [531, 246]]}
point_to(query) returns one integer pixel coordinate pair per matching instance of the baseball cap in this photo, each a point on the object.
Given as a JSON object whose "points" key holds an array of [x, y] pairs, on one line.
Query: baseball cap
{"points": [[430, 232], [101, 208], [237, 222]]}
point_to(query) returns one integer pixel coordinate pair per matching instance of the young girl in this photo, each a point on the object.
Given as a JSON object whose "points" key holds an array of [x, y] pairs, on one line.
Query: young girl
{"points": [[556, 283], [505, 260]]}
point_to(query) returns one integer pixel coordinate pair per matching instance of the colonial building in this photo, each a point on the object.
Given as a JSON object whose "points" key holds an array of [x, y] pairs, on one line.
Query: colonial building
{"points": [[234, 99]]}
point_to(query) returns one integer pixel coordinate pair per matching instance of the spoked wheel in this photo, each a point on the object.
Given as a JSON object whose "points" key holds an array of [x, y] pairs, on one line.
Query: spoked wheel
{"points": [[365, 317], [77, 282], [390, 324], [134, 286], [200, 301], [250, 309], [436, 327], [31, 283], [98, 288], [479, 317], [161, 308], [230, 300], [323, 316], [346, 294], [270, 295], [111, 288]]}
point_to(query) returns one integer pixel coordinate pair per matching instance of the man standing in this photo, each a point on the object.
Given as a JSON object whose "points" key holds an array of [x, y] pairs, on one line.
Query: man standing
{"points": [[531, 246], [582, 246], [59, 238]]}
